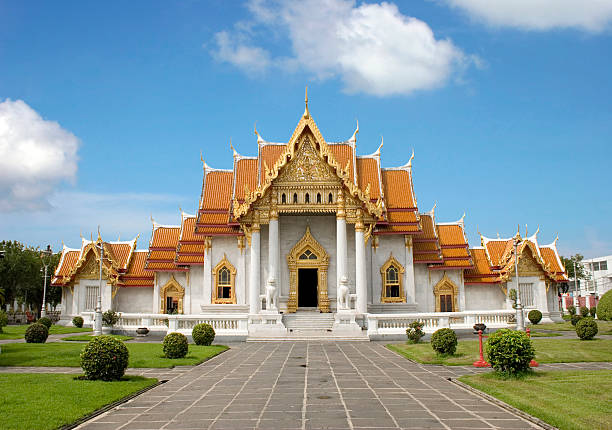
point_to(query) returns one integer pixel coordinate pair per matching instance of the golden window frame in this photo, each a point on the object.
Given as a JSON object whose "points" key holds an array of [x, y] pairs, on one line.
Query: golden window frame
{"points": [[172, 289], [224, 263], [392, 262], [445, 287]]}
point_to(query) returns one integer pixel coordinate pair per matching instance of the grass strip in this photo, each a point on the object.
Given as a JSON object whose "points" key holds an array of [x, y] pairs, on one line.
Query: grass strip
{"points": [[552, 397], [18, 331], [548, 350], [68, 355], [47, 401]]}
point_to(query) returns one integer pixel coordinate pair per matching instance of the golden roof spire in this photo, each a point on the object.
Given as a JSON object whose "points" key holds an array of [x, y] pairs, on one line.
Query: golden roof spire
{"points": [[411, 158], [306, 113]]}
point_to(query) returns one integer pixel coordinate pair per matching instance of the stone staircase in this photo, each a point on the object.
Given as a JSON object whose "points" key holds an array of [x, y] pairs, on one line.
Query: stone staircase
{"points": [[306, 325]]}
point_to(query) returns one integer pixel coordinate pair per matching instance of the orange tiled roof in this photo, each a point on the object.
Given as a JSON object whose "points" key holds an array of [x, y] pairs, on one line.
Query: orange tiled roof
{"points": [[397, 185], [344, 153], [137, 276], [217, 191], [245, 174], [451, 235], [368, 171], [190, 249], [269, 154], [162, 248]]}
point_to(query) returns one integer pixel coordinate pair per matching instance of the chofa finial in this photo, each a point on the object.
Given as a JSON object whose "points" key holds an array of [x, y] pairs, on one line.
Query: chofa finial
{"points": [[306, 113]]}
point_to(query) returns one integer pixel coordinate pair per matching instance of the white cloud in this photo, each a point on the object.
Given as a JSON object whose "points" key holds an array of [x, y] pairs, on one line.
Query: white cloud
{"points": [[540, 15], [35, 156], [373, 48]]}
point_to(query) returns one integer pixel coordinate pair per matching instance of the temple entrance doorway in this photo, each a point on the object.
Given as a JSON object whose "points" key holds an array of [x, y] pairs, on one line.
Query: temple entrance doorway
{"points": [[308, 288]]}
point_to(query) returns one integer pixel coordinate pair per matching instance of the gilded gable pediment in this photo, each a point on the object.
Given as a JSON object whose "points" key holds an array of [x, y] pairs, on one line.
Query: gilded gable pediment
{"points": [[307, 166]]}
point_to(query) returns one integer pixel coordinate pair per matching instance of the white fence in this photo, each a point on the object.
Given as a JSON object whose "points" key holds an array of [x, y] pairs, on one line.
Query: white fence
{"points": [[380, 324], [224, 324]]}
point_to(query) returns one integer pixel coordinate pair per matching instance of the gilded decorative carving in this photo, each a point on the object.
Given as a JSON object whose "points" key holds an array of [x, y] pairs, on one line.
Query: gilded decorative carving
{"points": [[240, 243], [172, 289], [408, 241], [400, 272], [321, 263], [368, 233], [224, 263], [307, 130], [443, 287]]}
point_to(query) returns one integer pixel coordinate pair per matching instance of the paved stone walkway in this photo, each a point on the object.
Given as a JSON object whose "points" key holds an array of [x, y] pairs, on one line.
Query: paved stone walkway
{"points": [[309, 386]]}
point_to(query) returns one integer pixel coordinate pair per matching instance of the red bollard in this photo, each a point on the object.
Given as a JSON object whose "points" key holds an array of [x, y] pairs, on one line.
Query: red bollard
{"points": [[532, 363], [481, 362]]}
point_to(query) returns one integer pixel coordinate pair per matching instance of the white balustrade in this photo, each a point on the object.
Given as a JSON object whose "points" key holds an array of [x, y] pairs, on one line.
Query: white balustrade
{"points": [[398, 323]]}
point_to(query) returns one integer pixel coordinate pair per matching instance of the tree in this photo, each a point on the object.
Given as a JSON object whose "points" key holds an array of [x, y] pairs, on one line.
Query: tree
{"points": [[21, 275], [581, 271]]}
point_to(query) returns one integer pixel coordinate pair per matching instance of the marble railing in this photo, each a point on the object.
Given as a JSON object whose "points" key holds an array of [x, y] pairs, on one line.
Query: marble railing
{"points": [[224, 324], [398, 323]]}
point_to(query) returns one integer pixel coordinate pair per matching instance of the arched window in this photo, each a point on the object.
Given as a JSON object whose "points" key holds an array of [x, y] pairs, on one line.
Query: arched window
{"points": [[307, 198], [392, 274], [330, 198], [225, 280], [294, 197], [318, 197], [284, 198], [446, 293]]}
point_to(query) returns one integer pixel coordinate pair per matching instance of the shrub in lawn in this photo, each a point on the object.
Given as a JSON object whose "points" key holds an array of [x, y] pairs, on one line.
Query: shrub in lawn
{"points": [[175, 345], [535, 316], [415, 331], [575, 319], [444, 341], [571, 310], [604, 307], [105, 358], [203, 334], [46, 321], [77, 322], [584, 311], [110, 318], [3, 320], [586, 329], [509, 351], [37, 333], [593, 311]]}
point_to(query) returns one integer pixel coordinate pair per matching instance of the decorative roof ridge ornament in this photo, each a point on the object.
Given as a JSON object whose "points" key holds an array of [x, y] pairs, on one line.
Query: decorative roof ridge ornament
{"points": [[353, 139], [306, 113], [406, 167], [459, 222], [260, 140]]}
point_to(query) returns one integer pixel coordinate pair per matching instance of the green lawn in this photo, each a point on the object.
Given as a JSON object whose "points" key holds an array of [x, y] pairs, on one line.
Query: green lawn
{"points": [[50, 401], [548, 350], [569, 400], [604, 326], [18, 331], [67, 354], [88, 337]]}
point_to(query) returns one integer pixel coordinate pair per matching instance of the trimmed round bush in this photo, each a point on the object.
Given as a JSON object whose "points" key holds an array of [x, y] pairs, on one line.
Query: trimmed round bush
{"points": [[535, 316], [46, 321], [415, 331], [509, 351], [203, 334], [77, 322], [575, 319], [37, 333], [586, 328], [593, 311], [571, 310], [3, 320], [105, 358], [584, 311], [444, 341], [604, 307], [175, 345], [110, 318]]}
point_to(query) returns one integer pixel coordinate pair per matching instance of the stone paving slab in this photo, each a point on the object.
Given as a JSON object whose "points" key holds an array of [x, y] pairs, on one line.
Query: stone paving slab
{"points": [[309, 385]]}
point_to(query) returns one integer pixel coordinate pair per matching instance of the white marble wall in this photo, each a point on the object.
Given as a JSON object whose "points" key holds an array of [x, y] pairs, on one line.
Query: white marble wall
{"points": [[484, 297], [387, 245], [134, 299]]}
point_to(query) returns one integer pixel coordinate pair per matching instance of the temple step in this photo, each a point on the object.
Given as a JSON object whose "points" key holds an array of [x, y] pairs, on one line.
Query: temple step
{"points": [[393, 308], [308, 321]]}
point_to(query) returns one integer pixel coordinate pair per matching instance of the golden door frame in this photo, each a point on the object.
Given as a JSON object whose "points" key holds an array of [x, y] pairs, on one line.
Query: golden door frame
{"points": [[321, 262], [446, 287], [172, 289]]}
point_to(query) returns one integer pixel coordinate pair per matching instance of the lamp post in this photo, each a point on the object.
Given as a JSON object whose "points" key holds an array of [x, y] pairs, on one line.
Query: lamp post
{"points": [[46, 253], [520, 318], [98, 318]]}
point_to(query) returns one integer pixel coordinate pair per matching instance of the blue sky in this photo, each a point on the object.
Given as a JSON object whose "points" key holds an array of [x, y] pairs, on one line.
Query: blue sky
{"points": [[105, 107]]}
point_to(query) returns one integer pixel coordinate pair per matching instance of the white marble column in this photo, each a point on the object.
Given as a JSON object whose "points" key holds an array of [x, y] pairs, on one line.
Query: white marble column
{"points": [[273, 249], [207, 274], [341, 251], [360, 269], [240, 283], [410, 289], [254, 270]]}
